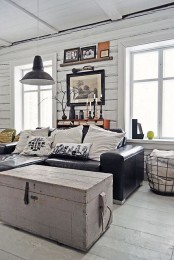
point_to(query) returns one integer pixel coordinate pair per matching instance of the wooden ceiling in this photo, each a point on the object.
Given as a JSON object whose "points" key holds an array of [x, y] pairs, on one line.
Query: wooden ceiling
{"points": [[19, 18]]}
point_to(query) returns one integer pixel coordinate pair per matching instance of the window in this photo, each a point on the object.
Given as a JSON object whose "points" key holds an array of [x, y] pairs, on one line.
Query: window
{"points": [[33, 106], [37, 104], [152, 90]]}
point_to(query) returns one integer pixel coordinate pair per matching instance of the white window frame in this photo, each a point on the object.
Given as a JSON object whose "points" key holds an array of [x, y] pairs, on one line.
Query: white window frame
{"points": [[16, 87], [38, 90], [125, 47]]}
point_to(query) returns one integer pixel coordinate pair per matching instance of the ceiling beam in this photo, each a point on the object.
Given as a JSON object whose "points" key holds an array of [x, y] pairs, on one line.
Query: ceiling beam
{"points": [[53, 29], [108, 6], [4, 42]]}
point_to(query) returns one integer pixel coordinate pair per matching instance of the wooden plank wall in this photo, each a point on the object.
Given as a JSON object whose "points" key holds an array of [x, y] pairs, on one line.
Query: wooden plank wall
{"points": [[4, 96], [145, 26]]}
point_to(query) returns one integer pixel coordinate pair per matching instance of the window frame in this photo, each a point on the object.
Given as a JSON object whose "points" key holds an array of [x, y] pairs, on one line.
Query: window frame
{"points": [[160, 79], [16, 88], [39, 90], [125, 47]]}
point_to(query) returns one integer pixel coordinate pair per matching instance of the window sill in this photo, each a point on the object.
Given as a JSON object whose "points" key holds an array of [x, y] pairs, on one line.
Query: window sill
{"points": [[154, 141], [161, 144]]}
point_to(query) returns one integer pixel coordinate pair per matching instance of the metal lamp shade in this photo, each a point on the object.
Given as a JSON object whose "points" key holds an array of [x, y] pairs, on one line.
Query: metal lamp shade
{"points": [[37, 76]]}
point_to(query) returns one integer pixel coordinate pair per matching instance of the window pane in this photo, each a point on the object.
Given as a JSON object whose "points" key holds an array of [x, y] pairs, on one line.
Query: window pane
{"points": [[30, 88], [145, 105], [30, 110], [168, 57], [145, 65], [46, 108], [49, 71], [168, 108]]}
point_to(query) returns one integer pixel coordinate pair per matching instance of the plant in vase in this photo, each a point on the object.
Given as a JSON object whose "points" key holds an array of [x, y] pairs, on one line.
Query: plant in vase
{"points": [[59, 97]]}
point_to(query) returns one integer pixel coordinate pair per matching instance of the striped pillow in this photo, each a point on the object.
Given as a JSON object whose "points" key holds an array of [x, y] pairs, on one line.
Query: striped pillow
{"points": [[6, 137]]}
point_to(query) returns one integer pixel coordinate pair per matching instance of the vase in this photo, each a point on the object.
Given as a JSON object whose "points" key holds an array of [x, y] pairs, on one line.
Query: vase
{"points": [[71, 112], [64, 117], [81, 114]]}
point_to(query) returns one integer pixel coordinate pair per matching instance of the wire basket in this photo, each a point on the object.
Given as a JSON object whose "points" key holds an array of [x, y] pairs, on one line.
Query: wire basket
{"points": [[160, 174]]}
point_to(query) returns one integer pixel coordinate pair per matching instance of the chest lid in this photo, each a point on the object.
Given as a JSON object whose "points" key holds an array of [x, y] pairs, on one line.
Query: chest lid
{"points": [[70, 184]]}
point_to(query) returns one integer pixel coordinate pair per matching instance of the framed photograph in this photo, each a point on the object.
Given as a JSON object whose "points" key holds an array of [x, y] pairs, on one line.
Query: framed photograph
{"points": [[83, 86], [71, 55], [88, 53], [104, 53]]}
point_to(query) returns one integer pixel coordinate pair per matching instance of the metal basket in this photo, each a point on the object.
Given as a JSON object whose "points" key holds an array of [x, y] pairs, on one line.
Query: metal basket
{"points": [[160, 174]]}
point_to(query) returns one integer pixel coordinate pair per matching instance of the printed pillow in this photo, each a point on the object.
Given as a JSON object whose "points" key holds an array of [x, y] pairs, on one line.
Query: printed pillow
{"points": [[72, 135], [102, 141], [71, 150], [6, 137], [24, 135], [38, 145]]}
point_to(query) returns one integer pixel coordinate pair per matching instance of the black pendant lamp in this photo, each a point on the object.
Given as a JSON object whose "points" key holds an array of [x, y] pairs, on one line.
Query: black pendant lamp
{"points": [[37, 76]]}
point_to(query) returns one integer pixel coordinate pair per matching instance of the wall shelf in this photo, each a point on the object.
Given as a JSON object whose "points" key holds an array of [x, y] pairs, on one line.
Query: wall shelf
{"points": [[85, 61], [104, 123]]}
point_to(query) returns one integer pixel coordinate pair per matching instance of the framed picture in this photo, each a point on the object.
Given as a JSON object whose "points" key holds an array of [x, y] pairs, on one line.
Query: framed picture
{"points": [[104, 53], [88, 53], [83, 86], [71, 55]]}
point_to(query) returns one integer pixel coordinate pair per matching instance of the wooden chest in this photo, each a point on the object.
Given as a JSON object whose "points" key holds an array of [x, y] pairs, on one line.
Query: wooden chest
{"points": [[72, 207]]}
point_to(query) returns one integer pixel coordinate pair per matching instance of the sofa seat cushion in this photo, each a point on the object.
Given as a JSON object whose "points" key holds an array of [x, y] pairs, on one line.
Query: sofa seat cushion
{"points": [[88, 165], [9, 161]]}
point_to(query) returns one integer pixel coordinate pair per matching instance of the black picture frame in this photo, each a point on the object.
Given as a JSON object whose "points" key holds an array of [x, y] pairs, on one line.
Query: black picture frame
{"points": [[88, 84], [72, 55], [88, 53]]}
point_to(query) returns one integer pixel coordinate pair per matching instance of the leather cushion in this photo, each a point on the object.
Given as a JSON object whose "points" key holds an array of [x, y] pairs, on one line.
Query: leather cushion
{"points": [[88, 165]]}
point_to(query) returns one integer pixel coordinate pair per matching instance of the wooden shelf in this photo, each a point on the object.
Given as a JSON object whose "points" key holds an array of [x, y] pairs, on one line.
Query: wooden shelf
{"points": [[104, 123], [85, 61]]}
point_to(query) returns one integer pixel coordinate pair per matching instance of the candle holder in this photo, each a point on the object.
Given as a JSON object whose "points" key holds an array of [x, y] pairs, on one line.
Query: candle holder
{"points": [[86, 110], [101, 116], [89, 117], [94, 109]]}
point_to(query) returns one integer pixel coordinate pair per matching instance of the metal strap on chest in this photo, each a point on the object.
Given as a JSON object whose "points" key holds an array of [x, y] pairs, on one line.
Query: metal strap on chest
{"points": [[26, 196]]}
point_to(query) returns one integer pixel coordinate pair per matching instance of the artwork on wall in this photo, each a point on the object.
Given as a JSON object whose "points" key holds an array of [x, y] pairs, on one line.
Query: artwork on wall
{"points": [[104, 53], [71, 55], [85, 86], [88, 53], [103, 49]]}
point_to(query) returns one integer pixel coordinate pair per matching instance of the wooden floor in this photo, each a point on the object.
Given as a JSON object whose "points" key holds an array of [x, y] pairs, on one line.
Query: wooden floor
{"points": [[143, 228]]}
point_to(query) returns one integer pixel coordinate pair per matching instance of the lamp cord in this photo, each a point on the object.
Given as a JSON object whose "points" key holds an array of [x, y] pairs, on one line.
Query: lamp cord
{"points": [[37, 43]]}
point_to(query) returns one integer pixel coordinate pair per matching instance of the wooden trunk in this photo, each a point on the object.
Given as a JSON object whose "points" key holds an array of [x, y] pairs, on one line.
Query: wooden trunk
{"points": [[57, 203]]}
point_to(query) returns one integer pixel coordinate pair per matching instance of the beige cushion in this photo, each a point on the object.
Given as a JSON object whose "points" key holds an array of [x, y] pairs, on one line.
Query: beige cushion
{"points": [[6, 137], [38, 145], [72, 135], [24, 135], [102, 141]]}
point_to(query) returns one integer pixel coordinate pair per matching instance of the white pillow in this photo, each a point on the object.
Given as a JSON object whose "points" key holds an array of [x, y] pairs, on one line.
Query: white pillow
{"points": [[24, 135], [102, 141], [72, 135], [38, 145]]}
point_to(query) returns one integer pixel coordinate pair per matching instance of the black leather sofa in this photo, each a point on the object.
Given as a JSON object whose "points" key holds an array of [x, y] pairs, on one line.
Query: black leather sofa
{"points": [[125, 163]]}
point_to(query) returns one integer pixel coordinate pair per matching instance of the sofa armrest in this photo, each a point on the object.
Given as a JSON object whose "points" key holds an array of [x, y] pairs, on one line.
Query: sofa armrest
{"points": [[127, 166], [7, 148], [110, 159]]}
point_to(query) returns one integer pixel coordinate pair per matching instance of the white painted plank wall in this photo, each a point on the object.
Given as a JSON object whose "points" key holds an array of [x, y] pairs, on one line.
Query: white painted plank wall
{"points": [[4, 96], [150, 25]]}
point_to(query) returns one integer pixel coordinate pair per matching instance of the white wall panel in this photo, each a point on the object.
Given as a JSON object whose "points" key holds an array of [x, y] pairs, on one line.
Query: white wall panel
{"points": [[149, 25], [4, 96]]}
